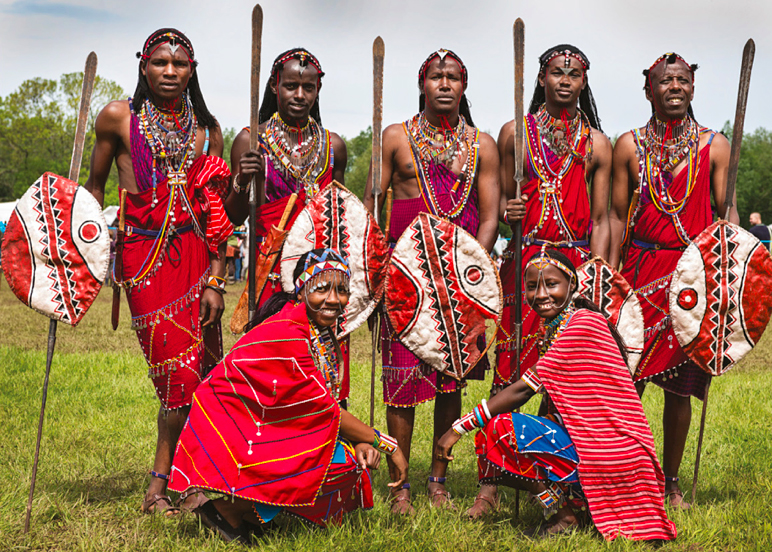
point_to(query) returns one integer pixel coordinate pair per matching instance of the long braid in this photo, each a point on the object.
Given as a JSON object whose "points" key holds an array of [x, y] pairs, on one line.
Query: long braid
{"points": [[270, 103], [142, 92], [586, 99]]}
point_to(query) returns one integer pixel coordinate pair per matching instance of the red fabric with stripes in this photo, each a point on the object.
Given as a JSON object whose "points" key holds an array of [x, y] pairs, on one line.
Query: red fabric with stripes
{"points": [[210, 176], [589, 383]]}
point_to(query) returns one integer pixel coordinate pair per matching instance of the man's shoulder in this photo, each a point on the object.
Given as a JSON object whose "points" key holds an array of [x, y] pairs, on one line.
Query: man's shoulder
{"points": [[115, 110]]}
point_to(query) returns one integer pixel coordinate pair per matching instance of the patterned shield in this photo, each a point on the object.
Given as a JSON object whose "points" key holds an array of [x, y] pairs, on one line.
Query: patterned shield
{"points": [[608, 289], [719, 296], [59, 247], [336, 219], [442, 290]]}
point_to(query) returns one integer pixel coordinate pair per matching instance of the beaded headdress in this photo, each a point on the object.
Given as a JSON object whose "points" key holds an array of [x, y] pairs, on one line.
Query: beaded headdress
{"points": [[670, 57], [544, 259], [441, 54], [304, 57], [568, 54], [316, 264], [174, 38]]}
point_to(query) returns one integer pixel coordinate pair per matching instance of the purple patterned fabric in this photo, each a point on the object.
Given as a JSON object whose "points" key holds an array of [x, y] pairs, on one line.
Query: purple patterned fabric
{"points": [[443, 180], [278, 184], [141, 156]]}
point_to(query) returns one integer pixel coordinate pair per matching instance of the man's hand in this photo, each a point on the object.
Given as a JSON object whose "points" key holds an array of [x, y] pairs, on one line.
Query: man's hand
{"points": [[445, 445], [251, 163], [367, 456], [398, 470], [212, 307], [516, 209]]}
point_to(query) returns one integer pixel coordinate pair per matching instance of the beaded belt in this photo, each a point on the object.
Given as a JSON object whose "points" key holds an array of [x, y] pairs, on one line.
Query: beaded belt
{"points": [[130, 230], [656, 246], [562, 244]]}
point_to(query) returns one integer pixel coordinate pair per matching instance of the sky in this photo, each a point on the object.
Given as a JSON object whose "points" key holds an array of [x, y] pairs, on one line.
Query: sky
{"points": [[47, 39]]}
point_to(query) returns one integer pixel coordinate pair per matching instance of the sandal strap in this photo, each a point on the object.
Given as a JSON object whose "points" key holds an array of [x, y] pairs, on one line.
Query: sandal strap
{"points": [[492, 502]]}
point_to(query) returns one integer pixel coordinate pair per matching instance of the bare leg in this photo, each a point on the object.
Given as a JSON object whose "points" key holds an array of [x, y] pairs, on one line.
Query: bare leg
{"points": [[676, 418], [447, 409], [170, 425], [487, 498], [400, 424]]}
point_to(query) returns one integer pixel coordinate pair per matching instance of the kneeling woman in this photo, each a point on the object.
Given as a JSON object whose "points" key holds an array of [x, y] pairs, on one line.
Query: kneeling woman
{"points": [[265, 428], [593, 444]]}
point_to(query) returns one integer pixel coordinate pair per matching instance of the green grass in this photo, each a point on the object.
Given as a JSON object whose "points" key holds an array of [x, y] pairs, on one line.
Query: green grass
{"points": [[99, 439]]}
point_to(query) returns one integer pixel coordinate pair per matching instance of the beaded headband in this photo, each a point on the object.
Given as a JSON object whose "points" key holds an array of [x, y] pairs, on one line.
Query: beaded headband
{"points": [[568, 54], [671, 57], [316, 264], [442, 54], [542, 260], [305, 57], [174, 38]]}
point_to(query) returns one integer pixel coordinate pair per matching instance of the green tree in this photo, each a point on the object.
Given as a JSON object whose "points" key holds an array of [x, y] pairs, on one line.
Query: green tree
{"points": [[228, 135], [754, 174], [360, 150], [37, 126]]}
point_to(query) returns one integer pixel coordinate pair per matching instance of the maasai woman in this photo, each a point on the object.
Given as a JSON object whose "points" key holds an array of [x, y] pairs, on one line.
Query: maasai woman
{"points": [[593, 445], [264, 427]]}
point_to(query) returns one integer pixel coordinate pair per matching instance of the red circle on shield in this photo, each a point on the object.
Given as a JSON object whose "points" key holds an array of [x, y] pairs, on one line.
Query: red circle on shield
{"points": [[687, 299]]}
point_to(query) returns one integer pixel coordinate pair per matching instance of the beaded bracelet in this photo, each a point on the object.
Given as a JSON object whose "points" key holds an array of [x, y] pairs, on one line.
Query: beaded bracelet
{"points": [[219, 290], [478, 417], [506, 218], [236, 187], [385, 443], [217, 282]]}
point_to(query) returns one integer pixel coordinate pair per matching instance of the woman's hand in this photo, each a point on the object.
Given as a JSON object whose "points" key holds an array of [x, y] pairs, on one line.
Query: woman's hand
{"points": [[399, 469], [367, 456], [445, 445]]}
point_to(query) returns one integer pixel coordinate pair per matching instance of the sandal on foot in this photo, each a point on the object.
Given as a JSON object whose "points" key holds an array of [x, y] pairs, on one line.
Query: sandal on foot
{"points": [[211, 517], [397, 506], [675, 498], [440, 498], [157, 504], [190, 500], [488, 506]]}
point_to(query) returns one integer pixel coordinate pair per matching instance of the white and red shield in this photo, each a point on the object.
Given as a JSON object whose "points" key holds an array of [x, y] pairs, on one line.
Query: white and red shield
{"points": [[336, 219], [56, 250], [720, 302], [608, 289], [442, 290]]}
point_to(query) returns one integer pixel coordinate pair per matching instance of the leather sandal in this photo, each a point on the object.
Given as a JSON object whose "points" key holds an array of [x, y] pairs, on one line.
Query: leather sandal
{"points": [[190, 500], [157, 504], [675, 498], [492, 506], [434, 496], [211, 517], [396, 500]]}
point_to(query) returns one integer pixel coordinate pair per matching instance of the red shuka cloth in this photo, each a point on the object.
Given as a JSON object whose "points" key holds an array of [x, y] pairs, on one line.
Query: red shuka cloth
{"points": [[589, 382], [649, 272], [165, 304], [263, 425], [576, 210]]}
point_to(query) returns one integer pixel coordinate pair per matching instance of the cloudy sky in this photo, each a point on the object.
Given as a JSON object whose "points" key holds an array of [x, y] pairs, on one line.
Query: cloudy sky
{"points": [[46, 39]]}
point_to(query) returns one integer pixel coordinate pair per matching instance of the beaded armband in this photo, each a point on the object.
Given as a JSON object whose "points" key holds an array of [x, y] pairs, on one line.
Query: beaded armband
{"points": [[531, 379], [478, 417], [385, 443], [216, 282]]}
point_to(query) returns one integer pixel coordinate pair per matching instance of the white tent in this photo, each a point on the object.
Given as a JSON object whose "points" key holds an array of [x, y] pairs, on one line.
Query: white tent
{"points": [[6, 209], [110, 212]]}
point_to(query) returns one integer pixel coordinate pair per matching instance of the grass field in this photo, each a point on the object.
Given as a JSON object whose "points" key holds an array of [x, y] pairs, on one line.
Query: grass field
{"points": [[99, 439]]}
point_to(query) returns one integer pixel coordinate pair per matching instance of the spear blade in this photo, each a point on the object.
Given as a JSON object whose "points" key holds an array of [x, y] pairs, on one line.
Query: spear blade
{"points": [[749, 51]]}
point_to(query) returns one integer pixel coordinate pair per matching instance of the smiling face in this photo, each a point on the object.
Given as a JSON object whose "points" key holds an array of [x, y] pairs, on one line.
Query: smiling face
{"points": [[547, 291], [562, 85], [443, 86], [671, 90], [326, 296], [168, 71], [296, 91]]}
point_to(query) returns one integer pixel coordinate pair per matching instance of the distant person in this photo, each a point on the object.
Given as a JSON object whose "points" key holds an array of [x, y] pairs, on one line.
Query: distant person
{"points": [[758, 229]]}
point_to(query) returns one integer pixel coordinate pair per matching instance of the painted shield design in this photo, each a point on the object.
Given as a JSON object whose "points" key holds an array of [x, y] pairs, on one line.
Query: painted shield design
{"points": [[59, 247], [442, 291], [608, 289], [719, 296], [336, 219]]}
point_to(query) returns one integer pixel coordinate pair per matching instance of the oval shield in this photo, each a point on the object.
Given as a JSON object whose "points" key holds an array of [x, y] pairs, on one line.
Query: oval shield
{"points": [[58, 243], [719, 296], [442, 290], [607, 288], [336, 219]]}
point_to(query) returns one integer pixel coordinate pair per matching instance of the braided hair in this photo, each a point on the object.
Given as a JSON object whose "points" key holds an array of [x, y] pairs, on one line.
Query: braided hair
{"points": [[142, 92], [669, 58], [270, 103], [581, 301], [463, 105], [586, 99]]}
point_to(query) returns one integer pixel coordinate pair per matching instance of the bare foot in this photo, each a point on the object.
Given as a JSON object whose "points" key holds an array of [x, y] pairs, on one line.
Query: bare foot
{"points": [[486, 502], [400, 503]]}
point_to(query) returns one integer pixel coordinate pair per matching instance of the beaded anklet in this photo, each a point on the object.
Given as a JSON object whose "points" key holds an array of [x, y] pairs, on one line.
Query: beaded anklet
{"points": [[432, 479], [159, 475]]}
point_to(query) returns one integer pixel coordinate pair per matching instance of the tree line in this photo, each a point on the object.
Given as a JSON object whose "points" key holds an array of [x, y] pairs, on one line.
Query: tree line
{"points": [[37, 124]]}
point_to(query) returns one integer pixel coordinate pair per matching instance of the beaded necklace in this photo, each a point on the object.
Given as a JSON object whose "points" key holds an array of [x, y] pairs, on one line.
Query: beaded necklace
{"points": [[557, 135], [551, 330], [430, 145], [172, 140], [299, 150], [326, 357]]}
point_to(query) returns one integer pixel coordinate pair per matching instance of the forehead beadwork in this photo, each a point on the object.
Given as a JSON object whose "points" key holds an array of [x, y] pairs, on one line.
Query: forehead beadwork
{"points": [[174, 39], [670, 58], [441, 54]]}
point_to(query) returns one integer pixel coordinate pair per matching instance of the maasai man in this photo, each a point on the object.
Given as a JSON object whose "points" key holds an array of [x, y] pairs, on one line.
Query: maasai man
{"points": [[565, 151], [265, 427], [674, 164], [166, 144], [302, 156], [593, 444], [436, 162]]}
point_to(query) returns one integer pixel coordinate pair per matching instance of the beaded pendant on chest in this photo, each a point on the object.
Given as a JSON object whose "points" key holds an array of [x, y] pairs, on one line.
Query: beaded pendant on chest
{"points": [[297, 152], [326, 358]]}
